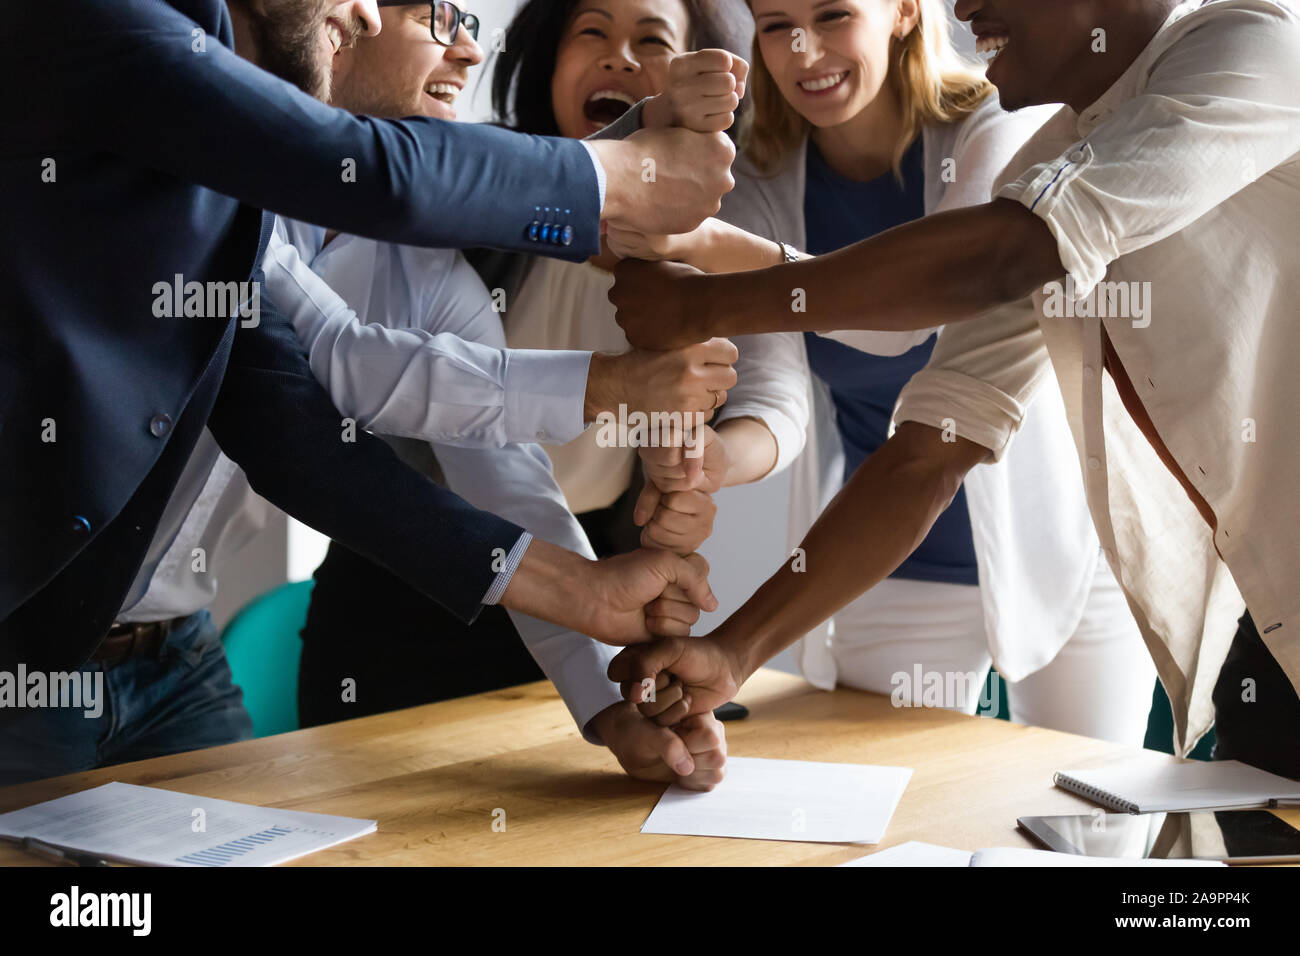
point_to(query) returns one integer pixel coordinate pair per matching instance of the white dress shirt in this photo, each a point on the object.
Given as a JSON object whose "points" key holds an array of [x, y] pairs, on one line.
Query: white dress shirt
{"points": [[404, 370], [454, 383], [173, 580], [1184, 174], [436, 294]]}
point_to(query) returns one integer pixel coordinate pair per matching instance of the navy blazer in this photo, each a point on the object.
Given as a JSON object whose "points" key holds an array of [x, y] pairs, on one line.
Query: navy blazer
{"points": [[137, 147]]}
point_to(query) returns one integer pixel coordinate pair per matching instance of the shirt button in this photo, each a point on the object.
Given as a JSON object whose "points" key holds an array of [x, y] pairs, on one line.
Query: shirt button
{"points": [[79, 525], [1094, 463], [1077, 156], [160, 426]]}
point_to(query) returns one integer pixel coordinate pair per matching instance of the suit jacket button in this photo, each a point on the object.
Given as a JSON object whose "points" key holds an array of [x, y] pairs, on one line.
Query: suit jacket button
{"points": [[78, 524], [546, 233], [566, 236], [160, 426], [532, 229]]}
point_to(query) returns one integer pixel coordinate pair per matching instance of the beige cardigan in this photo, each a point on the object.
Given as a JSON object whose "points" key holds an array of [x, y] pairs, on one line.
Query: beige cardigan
{"points": [[1035, 545]]}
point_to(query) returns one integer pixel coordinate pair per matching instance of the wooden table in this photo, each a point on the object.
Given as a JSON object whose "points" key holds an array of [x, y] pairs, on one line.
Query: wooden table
{"points": [[434, 775]]}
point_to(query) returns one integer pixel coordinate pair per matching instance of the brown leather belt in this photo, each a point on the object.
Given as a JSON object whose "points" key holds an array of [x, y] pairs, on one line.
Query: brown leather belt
{"points": [[125, 641]]}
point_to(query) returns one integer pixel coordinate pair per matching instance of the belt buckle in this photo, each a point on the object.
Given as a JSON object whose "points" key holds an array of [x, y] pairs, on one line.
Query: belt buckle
{"points": [[159, 629]]}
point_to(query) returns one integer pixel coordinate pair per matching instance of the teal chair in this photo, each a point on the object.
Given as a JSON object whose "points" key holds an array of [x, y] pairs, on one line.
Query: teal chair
{"points": [[1160, 728], [262, 645], [1160, 724]]}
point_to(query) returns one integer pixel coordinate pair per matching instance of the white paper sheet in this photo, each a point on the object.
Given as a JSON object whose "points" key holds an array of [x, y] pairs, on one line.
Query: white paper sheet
{"points": [[1017, 856], [914, 853], [145, 825], [786, 800]]}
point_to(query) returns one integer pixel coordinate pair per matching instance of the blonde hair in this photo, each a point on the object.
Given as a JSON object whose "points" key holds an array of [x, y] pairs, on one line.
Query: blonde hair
{"points": [[935, 85]]}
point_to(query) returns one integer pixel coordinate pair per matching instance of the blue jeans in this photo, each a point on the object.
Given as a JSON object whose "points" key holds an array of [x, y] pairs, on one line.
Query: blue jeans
{"points": [[184, 699]]}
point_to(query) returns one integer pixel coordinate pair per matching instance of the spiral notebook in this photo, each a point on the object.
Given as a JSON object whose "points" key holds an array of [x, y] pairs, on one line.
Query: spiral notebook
{"points": [[1139, 785]]}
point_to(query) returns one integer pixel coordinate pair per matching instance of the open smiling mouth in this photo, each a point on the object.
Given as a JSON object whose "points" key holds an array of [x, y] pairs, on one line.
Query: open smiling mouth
{"points": [[605, 106], [445, 92], [823, 84], [992, 43]]}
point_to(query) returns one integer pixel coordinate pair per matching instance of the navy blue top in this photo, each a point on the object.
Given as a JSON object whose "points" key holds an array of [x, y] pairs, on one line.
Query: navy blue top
{"points": [[839, 212]]}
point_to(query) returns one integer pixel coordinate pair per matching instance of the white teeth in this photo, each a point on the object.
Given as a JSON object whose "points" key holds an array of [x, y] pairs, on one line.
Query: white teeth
{"points": [[446, 89], [990, 44], [618, 95], [825, 83]]}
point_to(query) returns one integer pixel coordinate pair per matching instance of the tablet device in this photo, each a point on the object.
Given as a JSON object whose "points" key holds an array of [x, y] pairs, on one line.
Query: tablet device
{"points": [[1233, 836]]}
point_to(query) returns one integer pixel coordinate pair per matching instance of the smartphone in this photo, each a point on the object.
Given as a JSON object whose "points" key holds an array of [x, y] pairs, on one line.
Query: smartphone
{"points": [[731, 711]]}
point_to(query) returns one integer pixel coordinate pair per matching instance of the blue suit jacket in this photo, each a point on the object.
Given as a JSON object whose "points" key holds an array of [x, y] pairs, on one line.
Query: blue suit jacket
{"points": [[138, 147]]}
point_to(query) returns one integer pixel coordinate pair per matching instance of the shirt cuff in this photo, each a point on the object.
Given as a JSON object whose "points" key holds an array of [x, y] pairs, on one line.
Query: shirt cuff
{"points": [[790, 438], [1054, 193], [576, 665], [502, 580], [600, 171], [585, 697], [970, 408], [545, 394]]}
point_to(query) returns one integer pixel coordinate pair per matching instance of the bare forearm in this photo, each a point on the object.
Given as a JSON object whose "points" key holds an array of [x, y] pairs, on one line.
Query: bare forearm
{"points": [[751, 450], [934, 271], [867, 531], [718, 246]]}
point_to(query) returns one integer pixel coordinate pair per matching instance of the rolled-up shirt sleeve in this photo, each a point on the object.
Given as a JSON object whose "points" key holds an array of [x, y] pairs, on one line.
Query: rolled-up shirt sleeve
{"points": [[772, 379], [414, 383], [1219, 108], [980, 378]]}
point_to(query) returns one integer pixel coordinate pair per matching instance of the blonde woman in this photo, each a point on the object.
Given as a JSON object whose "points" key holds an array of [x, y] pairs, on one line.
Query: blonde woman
{"points": [[864, 118], [569, 68]]}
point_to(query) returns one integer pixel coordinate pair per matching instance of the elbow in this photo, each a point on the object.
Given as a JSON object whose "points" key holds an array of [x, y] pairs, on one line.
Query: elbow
{"points": [[1025, 253], [928, 461]]}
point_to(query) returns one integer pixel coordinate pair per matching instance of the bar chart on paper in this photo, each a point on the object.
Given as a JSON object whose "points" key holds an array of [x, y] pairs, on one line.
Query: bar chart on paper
{"points": [[153, 827]]}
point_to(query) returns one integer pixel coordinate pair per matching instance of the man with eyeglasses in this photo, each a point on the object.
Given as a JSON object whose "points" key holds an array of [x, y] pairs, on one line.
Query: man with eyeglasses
{"points": [[445, 19], [425, 360], [103, 397]]}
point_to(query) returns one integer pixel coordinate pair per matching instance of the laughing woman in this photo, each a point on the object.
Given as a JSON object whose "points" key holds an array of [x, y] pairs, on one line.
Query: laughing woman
{"points": [[864, 118], [571, 68]]}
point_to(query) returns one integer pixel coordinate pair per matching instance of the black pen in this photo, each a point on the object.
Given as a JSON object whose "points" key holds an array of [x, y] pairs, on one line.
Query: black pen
{"points": [[61, 854]]}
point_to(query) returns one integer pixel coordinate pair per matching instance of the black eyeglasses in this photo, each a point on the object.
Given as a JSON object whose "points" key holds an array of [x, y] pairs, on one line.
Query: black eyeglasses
{"points": [[445, 19]]}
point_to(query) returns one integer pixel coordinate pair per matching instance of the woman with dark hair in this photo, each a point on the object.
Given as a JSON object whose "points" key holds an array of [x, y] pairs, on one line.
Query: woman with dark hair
{"points": [[526, 68], [572, 71]]}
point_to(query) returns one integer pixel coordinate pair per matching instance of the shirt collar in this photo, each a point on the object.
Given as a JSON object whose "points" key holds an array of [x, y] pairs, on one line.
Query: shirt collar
{"points": [[1125, 88]]}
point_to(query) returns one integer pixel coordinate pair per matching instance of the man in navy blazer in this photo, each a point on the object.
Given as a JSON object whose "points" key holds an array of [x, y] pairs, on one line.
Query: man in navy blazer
{"points": [[144, 151]]}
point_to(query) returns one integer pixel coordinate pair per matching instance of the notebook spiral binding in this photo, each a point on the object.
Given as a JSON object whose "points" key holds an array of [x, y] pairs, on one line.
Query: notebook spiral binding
{"points": [[1095, 794]]}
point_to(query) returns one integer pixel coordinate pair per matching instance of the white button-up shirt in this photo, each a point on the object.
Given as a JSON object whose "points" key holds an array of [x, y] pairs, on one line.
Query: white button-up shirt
{"points": [[1175, 203], [432, 365]]}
